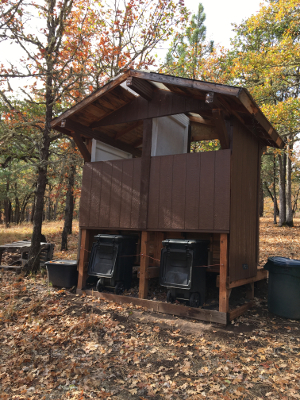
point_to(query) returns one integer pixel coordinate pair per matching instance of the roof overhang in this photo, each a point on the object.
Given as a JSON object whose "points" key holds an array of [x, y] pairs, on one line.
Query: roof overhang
{"points": [[114, 113]]}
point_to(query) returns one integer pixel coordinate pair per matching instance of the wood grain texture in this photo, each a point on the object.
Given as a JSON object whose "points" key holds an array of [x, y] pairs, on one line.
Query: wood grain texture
{"points": [[243, 248], [192, 191], [143, 284], [126, 194], [85, 200], [183, 189], [223, 291]]}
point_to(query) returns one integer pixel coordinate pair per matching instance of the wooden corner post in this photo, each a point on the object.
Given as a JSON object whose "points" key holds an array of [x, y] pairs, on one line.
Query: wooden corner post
{"points": [[223, 291], [83, 258], [144, 264]]}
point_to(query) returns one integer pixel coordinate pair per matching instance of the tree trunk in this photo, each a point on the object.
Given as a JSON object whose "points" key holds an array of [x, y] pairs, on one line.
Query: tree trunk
{"points": [[282, 191], [289, 207], [68, 209], [17, 211], [34, 254], [60, 182], [32, 210]]}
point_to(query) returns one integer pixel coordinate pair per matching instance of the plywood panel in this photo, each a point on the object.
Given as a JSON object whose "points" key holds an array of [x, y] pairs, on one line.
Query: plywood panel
{"points": [[244, 205], [96, 194], [136, 187], [115, 194], [165, 190], [105, 194], [154, 200], [192, 191], [221, 192], [126, 194], [207, 191], [178, 191], [182, 192], [85, 200]]}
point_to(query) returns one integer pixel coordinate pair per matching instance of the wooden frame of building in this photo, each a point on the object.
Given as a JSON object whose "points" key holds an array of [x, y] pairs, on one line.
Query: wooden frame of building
{"points": [[211, 195]]}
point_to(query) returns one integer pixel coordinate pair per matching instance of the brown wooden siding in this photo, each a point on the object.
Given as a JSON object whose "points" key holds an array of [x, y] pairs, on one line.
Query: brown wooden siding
{"points": [[243, 247], [110, 194], [190, 192], [187, 192]]}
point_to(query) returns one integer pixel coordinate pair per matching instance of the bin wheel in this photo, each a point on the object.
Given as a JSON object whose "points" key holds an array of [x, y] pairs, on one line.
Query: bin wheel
{"points": [[195, 300], [170, 297], [119, 289], [99, 285]]}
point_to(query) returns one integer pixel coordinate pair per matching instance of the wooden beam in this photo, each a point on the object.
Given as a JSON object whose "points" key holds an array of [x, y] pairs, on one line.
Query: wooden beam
{"points": [[128, 129], [187, 83], [85, 131], [141, 87], [163, 104], [221, 128], [82, 147], [202, 132], [198, 314], [145, 173], [90, 99], [260, 275], [137, 143], [83, 257], [239, 310], [223, 291], [144, 264], [200, 120], [152, 272], [158, 238]]}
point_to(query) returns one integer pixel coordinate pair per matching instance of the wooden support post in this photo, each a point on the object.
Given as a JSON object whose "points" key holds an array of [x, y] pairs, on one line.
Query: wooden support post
{"points": [[223, 291], [83, 258], [158, 238], [143, 286]]}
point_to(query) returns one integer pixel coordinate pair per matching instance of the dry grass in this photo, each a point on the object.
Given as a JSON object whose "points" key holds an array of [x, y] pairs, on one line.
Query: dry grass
{"points": [[52, 230]]}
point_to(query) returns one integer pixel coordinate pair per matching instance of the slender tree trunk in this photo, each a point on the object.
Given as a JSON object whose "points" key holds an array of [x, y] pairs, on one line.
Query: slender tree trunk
{"points": [[282, 191], [17, 210], [61, 178], [289, 207], [32, 210], [68, 209]]}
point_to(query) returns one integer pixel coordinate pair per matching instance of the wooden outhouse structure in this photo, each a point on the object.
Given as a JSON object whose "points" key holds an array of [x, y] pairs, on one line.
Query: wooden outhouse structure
{"points": [[134, 134]]}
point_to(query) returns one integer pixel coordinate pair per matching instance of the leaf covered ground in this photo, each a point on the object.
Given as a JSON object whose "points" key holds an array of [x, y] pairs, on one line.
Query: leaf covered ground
{"points": [[58, 345]]}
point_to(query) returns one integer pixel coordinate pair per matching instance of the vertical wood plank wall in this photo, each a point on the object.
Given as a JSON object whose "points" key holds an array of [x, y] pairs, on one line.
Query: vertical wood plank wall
{"points": [[243, 248], [187, 192], [110, 194], [190, 192]]}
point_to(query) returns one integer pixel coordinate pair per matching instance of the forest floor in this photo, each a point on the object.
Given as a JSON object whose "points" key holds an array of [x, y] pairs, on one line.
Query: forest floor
{"points": [[55, 344]]}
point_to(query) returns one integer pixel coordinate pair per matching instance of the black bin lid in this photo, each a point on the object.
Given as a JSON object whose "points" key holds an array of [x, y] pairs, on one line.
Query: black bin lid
{"points": [[115, 237], [61, 262], [284, 265]]}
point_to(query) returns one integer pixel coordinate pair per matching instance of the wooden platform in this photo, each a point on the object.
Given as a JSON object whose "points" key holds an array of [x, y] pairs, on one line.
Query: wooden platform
{"points": [[162, 307]]}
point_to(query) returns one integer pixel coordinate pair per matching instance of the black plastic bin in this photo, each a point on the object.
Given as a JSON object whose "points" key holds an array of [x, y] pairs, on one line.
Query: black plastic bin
{"points": [[284, 287], [62, 273], [182, 269], [111, 260]]}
